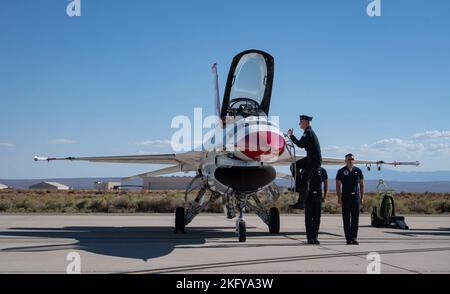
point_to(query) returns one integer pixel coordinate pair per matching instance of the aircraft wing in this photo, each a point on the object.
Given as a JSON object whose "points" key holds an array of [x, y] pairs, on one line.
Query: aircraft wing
{"points": [[341, 161], [187, 160], [285, 159], [164, 171]]}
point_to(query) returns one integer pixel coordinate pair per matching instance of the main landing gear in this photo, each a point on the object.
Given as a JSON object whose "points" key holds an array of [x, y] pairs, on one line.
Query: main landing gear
{"points": [[233, 201]]}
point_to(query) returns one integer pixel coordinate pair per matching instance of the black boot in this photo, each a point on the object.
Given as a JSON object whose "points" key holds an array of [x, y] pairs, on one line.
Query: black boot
{"points": [[302, 196]]}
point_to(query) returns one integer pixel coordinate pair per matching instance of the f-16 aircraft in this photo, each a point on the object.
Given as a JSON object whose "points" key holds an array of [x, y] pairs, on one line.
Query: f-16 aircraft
{"points": [[238, 166]]}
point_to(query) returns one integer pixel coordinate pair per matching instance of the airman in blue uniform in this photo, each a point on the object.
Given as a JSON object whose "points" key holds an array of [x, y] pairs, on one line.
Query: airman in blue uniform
{"points": [[350, 193], [308, 164], [313, 204]]}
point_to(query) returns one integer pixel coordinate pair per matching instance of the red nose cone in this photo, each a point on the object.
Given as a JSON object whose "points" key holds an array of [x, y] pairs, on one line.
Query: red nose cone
{"points": [[262, 145]]}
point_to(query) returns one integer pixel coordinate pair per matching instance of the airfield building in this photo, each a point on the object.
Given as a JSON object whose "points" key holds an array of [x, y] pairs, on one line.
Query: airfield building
{"points": [[166, 183], [107, 185], [50, 186]]}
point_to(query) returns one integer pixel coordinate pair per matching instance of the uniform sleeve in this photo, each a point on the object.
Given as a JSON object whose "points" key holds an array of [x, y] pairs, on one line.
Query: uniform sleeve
{"points": [[295, 141], [304, 139], [361, 176], [324, 175], [338, 176]]}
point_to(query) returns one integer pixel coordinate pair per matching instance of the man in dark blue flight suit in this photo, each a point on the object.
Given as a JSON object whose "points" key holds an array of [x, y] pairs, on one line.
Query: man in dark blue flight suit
{"points": [[313, 204], [308, 164], [350, 193]]}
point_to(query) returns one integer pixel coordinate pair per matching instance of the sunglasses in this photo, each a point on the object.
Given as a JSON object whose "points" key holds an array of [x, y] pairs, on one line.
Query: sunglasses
{"points": [[350, 159]]}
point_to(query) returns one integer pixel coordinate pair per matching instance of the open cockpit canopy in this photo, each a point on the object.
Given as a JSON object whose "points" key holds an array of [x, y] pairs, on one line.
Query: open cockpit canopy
{"points": [[249, 84]]}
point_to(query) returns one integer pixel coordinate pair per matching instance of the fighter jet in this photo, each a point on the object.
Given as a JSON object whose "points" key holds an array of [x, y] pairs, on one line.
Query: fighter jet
{"points": [[237, 165]]}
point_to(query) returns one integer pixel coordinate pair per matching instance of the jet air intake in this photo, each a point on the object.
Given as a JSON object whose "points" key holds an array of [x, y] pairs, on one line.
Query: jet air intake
{"points": [[244, 178]]}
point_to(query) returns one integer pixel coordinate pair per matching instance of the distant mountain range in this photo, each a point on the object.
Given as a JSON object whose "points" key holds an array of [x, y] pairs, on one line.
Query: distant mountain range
{"points": [[402, 176], [399, 186], [76, 183], [438, 181], [401, 181]]}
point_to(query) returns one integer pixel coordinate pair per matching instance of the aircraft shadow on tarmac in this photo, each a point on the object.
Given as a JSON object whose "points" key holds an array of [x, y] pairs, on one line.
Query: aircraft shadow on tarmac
{"points": [[440, 232], [131, 242]]}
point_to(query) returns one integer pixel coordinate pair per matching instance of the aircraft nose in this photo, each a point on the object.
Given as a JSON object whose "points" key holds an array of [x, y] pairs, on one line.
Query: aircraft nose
{"points": [[262, 145]]}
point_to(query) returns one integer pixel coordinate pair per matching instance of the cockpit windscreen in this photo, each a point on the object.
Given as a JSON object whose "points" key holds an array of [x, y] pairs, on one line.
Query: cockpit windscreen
{"points": [[250, 78]]}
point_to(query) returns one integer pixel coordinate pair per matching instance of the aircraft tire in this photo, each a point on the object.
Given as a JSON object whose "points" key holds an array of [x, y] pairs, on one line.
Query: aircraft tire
{"points": [[179, 221], [274, 220], [242, 231]]}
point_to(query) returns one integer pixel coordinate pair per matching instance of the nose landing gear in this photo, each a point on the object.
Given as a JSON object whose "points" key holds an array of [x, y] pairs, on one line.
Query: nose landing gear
{"points": [[241, 228]]}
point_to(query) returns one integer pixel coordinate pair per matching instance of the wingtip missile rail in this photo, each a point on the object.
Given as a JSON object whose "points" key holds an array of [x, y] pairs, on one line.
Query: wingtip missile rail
{"points": [[41, 158]]}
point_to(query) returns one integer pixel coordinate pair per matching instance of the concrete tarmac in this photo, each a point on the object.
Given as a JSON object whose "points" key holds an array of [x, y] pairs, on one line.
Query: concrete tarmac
{"points": [[146, 244]]}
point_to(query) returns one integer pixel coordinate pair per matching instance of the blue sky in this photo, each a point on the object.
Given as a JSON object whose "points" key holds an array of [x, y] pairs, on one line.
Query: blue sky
{"points": [[110, 81]]}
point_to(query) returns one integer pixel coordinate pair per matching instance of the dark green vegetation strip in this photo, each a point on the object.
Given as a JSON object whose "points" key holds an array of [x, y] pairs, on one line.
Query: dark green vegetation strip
{"points": [[90, 201]]}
